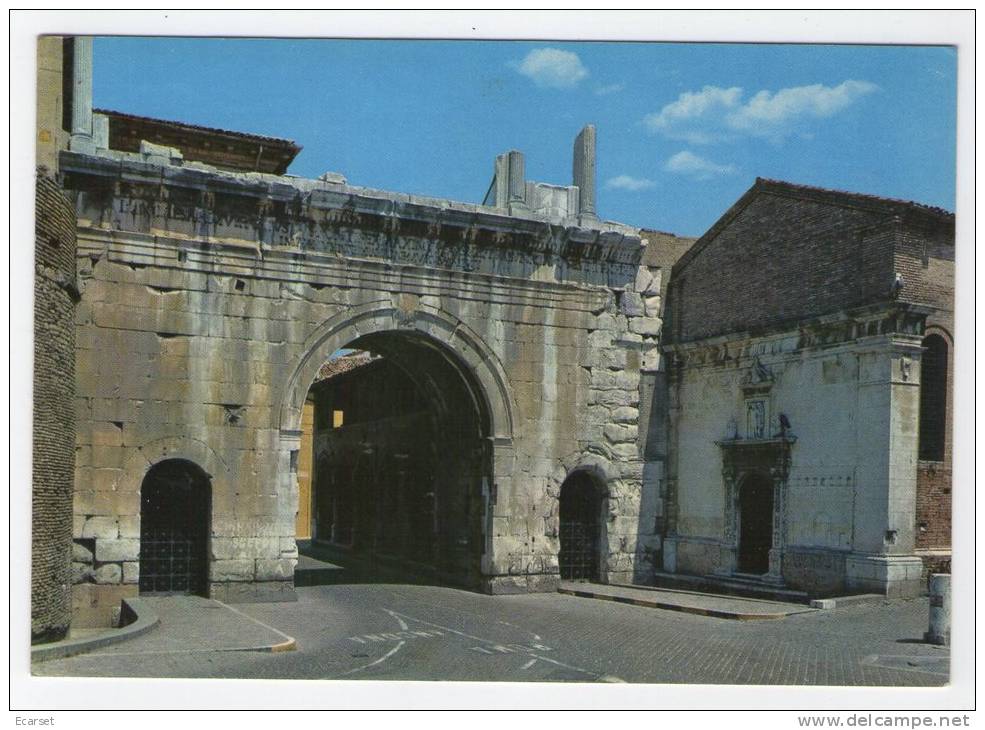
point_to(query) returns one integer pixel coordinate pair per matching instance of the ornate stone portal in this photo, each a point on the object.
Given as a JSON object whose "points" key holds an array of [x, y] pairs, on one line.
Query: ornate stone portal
{"points": [[759, 456], [743, 460]]}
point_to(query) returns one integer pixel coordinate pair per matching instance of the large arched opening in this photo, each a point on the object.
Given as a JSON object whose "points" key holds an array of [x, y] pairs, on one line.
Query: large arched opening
{"points": [[175, 510], [401, 461], [463, 381]]}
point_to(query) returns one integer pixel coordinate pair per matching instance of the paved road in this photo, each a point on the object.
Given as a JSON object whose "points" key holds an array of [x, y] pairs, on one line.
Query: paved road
{"points": [[427, 633]]}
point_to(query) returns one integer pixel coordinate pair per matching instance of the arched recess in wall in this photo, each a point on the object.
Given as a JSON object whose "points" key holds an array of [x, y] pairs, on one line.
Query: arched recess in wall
{"points": [[933, 396], [579, 488], [148, 454]]}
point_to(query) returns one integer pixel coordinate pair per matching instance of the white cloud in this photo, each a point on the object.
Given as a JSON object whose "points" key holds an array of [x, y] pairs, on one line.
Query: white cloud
{"points": [[553, 67], [626, 182], [691, 165], [772, 110], [715, 114], [696, 115], [603, 90]]}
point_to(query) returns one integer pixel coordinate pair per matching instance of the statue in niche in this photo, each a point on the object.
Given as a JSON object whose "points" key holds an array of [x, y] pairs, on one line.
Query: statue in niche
{"points": [[756, 419]]}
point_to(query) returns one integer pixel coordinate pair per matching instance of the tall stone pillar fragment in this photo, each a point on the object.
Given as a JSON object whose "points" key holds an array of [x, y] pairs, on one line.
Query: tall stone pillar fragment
{"points": [[583, 171], [82, 94], [511, 185]]}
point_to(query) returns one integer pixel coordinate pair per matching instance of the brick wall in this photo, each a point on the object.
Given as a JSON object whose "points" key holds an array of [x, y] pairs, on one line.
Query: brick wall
{"points": [[924, 256], [778, 260], [925, 259], [54, 411], [933, 505]]}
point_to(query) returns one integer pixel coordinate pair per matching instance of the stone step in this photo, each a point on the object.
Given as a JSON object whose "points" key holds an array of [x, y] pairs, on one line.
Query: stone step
{"points": [[313, 572], [699, 603], [746, 586]]}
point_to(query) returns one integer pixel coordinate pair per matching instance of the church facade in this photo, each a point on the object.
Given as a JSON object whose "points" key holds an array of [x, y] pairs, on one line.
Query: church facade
{"points": [[802, 428]]}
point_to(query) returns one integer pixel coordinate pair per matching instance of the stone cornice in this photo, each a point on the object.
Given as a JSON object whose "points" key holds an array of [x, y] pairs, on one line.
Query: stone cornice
{"points": [[890, 323], [280, 210]]}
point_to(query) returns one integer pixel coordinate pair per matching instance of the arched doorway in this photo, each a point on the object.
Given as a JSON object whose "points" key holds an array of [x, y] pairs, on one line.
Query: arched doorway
{"points": [[933, 398], [580, 513], [175, 507], [403, 459], [755, 524]]}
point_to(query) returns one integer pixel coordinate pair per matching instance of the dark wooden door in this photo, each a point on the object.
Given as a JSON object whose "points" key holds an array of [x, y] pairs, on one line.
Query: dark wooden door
{"points": [[756, 525]]}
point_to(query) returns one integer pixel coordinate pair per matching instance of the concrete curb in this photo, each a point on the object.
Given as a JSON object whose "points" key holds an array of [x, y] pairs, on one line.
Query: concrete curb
{"points": [[289, 645], [647, 603], [829, 603], [144, 619]]}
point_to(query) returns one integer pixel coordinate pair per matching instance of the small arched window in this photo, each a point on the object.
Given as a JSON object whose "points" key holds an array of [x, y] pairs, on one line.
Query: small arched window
{"points": [[933, 398]]}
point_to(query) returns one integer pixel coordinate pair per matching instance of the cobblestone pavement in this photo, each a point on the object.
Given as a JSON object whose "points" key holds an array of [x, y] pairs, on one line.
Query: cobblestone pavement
{"points": [[427, 633]]}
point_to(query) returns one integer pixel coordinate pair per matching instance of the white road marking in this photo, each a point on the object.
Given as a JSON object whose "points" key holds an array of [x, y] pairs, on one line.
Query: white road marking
{"points": [[382, 659], [394, 636], [371, 637], [403, 625], [507, 623], [254, 620], [497, 646]]}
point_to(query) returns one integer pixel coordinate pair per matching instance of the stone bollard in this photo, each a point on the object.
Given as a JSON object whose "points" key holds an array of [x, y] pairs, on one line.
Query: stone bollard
{"points": [[939, 631]]}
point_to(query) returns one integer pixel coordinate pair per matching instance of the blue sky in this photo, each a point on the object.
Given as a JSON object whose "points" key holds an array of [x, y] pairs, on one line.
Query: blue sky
{"points": [[683, 129]]}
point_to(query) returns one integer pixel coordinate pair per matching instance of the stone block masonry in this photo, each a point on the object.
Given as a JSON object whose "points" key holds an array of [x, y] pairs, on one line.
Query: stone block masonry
{"points": [[211, 299]]}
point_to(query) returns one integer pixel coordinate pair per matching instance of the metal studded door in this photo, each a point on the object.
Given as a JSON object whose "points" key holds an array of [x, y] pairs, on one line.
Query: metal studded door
{"points": [[174, 525], [579, 529]]}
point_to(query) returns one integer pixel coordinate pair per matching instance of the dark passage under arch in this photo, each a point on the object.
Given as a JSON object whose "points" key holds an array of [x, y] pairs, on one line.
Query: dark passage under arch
{"points": [[403, 462], [580, 511], [175, 504]]}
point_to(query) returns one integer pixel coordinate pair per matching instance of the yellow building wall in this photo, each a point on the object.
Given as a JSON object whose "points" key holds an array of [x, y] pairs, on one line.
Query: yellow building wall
{"points": [[51, 136], [305, 461]]}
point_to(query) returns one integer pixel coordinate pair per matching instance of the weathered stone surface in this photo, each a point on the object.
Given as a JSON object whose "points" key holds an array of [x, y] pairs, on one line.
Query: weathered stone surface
{"points": [[211, 332], [620, 433], [643, 280], [80, 553], [625, 414], [647, 326], [131, 572], [101, 527], [274, 569], [656, 281], [621, 380], [631, 304], [129, 526], [110, 573], [651, 361], [233, 570], [117, 550]]}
